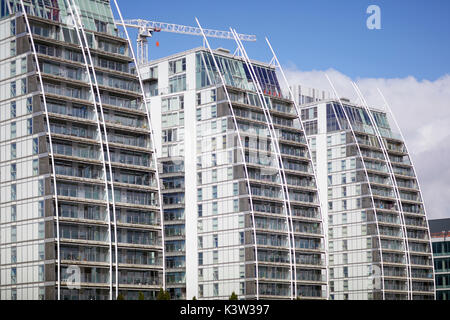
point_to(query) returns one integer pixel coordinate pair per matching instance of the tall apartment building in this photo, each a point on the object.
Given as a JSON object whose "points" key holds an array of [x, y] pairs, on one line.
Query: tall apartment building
{"points": [[80, 215], [379, 245], [241, 210], [440, 237]]}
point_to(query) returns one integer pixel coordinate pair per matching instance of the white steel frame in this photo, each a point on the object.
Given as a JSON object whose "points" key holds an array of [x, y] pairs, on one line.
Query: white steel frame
{"points": [[299, 115], [389, 110], [368, 181], [281, 172], [86, 54], [44, 100], [394, 185], [242, 155], [151, 134]]}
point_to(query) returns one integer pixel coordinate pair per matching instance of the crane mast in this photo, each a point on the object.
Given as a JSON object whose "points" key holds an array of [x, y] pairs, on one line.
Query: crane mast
{"points": [[147, 28]]}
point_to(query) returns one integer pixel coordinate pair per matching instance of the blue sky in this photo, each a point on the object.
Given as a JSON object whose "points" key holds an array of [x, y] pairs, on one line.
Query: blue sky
{"points": [[319, 34], [408, 59]]}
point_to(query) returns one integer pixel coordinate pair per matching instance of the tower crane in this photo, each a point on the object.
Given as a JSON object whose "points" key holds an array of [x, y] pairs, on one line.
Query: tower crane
{"points": [[147, 28]]}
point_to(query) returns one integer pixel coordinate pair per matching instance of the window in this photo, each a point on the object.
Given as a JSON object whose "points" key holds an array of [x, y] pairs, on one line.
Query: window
{"points": [[199, 194], [41, 251], [13, 171], [216, 289], [224, 125], [13, 234], [29, 126], [344, 231], [41, 230], [230, 173], [200, 258], [329, 142], [13, 130], [23, 65], [40, 273], [214, 208], [40, 188], [13, 275], [13, 48], [200, 210], [35, 167], [235, 189], [363, 216], [13, 213], [215, 224], [29, 105], [14, 294], [13, 150], [13, 255], [241, 238], [343, 165], [13, 109], [235, 205], [214, 175], [200, 290], [344, 178], [215, 256], [24, 86], [344, 245], [35, 146], [13, 192], [214, 192], [215, 274], [200, 242], [13, 89], [13, 27], [215, 241], [344, 204], [41, 294]]}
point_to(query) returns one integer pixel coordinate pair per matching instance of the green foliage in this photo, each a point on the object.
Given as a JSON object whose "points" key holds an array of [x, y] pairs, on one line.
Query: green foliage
{"points": [[120, 297], [233, 296], [141, 296], [194, 298], [163, 295]]}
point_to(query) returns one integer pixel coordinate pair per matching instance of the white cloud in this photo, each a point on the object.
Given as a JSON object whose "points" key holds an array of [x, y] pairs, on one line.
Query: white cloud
{"points": [[422, 109]]}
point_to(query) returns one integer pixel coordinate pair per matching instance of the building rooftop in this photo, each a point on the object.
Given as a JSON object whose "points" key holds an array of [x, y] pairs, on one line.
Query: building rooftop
{"points": [[219, 51], [439, 227]]}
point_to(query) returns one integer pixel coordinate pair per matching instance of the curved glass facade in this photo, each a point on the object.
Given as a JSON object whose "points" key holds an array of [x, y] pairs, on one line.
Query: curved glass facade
{"points": [[98, 210], [379, 244], [251, 212]]}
